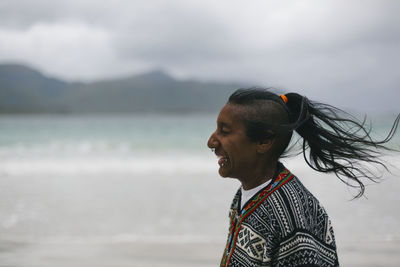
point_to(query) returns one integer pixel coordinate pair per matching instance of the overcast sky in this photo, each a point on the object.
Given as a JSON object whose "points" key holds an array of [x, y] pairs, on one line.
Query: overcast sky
{"points": [[340, 52]]}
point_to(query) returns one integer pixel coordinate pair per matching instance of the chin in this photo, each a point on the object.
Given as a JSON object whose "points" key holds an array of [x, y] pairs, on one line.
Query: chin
{"points": [[223, 173]]}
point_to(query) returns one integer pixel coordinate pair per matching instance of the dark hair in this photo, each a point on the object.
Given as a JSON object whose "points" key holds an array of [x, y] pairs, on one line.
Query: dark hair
{"points": [[335, 141]]}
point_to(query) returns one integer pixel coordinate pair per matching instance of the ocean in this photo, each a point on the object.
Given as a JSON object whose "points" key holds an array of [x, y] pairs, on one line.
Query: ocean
{"points": [[143, 190]]}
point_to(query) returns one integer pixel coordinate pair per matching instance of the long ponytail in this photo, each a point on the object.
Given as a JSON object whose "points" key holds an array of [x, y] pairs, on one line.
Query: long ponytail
{"points": [[334, 142]]}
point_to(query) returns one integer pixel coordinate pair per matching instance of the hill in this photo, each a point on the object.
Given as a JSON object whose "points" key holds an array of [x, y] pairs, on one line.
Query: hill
{"points": [[25, 90]]}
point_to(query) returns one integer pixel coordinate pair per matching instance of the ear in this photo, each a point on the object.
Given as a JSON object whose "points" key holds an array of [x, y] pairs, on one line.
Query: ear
{"points": [[265, 146]]}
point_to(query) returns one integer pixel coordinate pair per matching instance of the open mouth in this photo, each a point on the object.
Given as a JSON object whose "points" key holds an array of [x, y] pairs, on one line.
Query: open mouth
{"points": [[222, 160]]}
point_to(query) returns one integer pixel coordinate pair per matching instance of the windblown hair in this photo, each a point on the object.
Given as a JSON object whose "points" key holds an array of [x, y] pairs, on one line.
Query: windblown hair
{"points": [[333, 140]]}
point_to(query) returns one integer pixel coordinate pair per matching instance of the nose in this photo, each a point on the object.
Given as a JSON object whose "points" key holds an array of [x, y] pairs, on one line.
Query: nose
{"points": [[212, 141]]}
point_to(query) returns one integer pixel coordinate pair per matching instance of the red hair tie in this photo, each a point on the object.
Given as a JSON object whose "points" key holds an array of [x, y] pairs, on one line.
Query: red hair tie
{"points": [[284, 98]]}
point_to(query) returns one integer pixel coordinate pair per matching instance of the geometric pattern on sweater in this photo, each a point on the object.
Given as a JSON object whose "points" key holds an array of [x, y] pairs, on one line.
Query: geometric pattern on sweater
{"points": [[312, 251], [251, 243], [282, 225]]}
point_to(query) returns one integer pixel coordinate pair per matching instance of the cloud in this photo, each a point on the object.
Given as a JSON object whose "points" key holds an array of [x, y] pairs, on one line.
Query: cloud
{"points": [[324, 48], [68, 49]]}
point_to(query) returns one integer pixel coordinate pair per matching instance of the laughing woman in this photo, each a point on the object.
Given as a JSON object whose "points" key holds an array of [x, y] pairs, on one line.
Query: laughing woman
{"points": [[274, 219]]}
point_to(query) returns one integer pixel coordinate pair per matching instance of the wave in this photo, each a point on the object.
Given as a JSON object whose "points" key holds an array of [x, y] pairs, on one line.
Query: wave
{"points": [[146, 164]]}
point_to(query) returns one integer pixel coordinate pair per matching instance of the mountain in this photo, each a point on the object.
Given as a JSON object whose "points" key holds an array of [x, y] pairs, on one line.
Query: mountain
{"points": [[24, 89]]}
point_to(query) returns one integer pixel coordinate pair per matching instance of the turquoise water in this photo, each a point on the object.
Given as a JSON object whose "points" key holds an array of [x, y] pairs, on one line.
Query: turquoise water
{"points": [[138, 132]]}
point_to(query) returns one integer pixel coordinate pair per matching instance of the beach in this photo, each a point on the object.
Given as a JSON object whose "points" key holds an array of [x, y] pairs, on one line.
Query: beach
{"points": [[144, 191]]}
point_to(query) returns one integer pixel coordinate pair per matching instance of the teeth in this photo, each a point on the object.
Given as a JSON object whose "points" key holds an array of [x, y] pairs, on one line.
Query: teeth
{"points": [[222, 160]]}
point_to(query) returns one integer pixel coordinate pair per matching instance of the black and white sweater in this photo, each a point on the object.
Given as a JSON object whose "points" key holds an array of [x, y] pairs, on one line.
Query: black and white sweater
{"points": [[282, 225]]}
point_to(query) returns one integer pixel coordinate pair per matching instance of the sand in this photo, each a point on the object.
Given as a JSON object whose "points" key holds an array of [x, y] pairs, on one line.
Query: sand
{"points": [[367, 254]]}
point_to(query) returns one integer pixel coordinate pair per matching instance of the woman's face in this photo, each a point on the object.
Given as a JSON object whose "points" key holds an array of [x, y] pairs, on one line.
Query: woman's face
{"points": [[237, 154]]}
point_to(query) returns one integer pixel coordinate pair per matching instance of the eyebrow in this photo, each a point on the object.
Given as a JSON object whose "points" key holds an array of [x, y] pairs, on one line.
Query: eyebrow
{"points": [[223, 124]]}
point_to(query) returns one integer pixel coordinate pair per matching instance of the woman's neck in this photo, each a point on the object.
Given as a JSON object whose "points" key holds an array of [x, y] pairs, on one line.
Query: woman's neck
{"points": [[259, 177]]}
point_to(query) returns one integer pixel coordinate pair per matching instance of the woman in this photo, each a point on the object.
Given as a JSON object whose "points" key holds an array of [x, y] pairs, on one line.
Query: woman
{"points": [[274, 219]]}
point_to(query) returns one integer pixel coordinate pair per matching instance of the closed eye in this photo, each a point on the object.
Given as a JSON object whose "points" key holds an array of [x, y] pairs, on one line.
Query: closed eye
{"points": [[223, 128], [224, 131]]}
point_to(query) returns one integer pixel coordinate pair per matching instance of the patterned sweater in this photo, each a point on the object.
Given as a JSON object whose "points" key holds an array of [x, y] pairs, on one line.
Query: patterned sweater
{"points": [[282, 225]]}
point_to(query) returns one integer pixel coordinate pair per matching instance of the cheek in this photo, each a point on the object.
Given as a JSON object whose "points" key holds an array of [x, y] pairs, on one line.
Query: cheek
{"points": [[243, 154]]}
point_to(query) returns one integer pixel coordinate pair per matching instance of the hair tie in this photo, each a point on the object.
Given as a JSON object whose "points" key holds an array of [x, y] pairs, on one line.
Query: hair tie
{"points": [[284, 98]]}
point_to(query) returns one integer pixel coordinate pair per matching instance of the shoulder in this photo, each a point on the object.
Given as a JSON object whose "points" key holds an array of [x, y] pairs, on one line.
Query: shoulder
{"points": [[296, 206], [293, 208], [296, 198]]}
